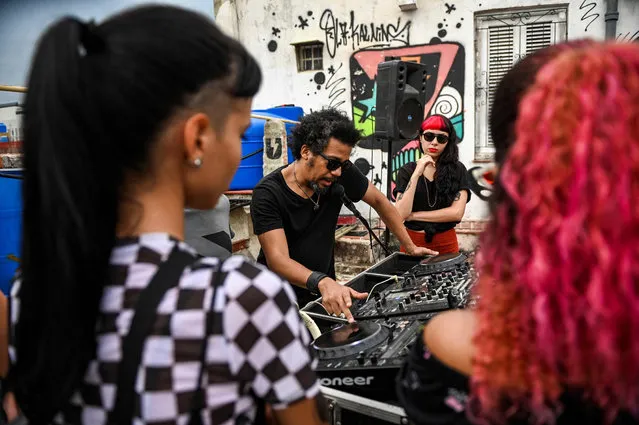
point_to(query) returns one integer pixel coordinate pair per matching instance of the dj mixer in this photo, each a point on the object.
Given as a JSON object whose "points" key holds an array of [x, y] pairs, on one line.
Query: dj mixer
{"points": [[363, 358]]}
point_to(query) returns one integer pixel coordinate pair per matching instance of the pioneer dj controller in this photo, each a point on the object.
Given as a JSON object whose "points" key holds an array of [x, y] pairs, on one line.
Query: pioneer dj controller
{"points": [[364, 357]]}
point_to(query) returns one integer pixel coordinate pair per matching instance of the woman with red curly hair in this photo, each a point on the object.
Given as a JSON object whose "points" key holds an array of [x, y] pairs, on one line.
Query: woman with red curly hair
{"points": [[555, 335], [432, 192]]}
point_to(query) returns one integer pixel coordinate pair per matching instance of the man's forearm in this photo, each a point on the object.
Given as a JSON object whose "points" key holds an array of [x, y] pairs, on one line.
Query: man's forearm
{"points": [[390, 216], [290, 270]]}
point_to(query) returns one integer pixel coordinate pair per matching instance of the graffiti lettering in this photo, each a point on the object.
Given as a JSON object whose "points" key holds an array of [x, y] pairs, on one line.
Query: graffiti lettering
{"points": [[339, 33]]}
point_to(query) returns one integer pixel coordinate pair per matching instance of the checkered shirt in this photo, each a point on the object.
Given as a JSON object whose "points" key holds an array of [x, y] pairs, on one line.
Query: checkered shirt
{"points": [[258, 346]]}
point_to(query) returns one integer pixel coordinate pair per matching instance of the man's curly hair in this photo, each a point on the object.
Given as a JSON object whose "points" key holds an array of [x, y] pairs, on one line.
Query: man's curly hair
{"points": [[316, 128]]}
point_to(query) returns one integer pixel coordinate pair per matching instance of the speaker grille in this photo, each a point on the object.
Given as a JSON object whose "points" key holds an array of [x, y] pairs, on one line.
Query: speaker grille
{"points": [[409, 118]]}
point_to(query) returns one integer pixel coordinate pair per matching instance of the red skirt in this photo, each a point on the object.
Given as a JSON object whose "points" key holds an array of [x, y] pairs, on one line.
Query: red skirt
{"points": [[444, 243]]}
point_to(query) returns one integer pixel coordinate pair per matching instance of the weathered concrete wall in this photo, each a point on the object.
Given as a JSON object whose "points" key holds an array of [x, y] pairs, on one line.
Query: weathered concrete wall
{"points": [[358, 34]]}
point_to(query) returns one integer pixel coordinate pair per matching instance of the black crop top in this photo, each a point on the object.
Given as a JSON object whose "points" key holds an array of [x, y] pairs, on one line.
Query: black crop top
{"points": [[422, 194], [434, 394]]}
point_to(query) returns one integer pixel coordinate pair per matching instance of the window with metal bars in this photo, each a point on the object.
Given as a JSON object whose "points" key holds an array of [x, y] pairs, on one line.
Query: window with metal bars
{"points": [[310, 56], [502, 39]]}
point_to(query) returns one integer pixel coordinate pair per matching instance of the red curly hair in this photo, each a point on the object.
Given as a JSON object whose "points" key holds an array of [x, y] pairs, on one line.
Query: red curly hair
{"points": [[559, 262]]}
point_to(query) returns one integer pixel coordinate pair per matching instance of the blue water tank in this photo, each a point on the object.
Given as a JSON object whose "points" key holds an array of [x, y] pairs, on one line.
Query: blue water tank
{"points": [[250, 171], [10, 226]]}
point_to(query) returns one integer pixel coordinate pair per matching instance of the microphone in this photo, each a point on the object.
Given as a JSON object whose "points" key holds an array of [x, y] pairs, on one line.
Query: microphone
{"points": [[339, 191]]}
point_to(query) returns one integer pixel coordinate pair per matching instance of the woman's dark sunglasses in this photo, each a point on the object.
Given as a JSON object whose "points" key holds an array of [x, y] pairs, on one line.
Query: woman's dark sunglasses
{"points": [[441, 138], [334, 164]]}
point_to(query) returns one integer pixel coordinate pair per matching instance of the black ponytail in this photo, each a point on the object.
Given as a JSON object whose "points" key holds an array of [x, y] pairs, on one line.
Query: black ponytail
{"points": [[98, 98]]}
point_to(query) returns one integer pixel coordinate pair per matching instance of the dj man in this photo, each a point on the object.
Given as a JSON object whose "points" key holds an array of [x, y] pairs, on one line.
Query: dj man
{"points": [[295, 210]]}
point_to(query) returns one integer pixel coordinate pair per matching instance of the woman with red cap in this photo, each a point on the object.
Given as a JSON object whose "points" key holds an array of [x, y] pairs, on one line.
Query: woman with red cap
{"points": [[432, 192]]}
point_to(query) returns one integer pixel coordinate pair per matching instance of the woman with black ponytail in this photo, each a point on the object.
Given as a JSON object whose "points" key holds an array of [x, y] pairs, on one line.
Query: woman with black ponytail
{"points": [[432, 192], [114, 319]]}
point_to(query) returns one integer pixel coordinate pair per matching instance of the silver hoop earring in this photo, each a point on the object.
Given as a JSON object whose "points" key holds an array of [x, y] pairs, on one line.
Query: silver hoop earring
{"points": [[197, 162]]}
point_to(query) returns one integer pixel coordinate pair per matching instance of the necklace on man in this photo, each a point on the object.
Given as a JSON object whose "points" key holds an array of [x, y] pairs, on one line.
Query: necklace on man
{"points": [[315, 204], [428, 194]]}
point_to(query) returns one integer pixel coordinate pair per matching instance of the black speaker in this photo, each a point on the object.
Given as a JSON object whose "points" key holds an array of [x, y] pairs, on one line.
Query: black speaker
{"points": [[401, 98]]}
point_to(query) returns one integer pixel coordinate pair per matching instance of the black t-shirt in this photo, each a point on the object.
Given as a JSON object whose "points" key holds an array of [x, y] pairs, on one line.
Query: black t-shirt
{"points": [[310, 234], [423, 195], [434, 394]]}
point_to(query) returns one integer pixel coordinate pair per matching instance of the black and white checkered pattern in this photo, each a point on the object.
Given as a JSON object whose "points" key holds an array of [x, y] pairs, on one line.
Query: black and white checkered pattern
{"points": [[258, 346]]}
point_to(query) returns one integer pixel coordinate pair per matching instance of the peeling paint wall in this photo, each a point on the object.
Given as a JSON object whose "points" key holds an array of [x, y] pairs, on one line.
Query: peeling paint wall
{"points": [[358, 34]]}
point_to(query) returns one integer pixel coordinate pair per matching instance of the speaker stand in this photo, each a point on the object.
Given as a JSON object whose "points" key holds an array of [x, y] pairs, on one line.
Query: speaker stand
{"points": [[389, 182]]}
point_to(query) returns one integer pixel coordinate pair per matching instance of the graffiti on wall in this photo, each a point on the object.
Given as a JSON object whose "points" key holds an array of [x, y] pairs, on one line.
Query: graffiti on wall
{"points": [[588, 16], [628, 37], [444, 92], [368, 44], [353, 34]]}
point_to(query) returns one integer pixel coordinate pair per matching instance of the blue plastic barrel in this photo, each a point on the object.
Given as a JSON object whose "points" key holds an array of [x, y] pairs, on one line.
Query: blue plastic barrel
{"points": [[250, 171], [10, 226]]}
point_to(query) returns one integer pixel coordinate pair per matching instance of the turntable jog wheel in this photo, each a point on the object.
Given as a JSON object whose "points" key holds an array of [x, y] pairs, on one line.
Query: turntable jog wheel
{"points": [[349, 340]]}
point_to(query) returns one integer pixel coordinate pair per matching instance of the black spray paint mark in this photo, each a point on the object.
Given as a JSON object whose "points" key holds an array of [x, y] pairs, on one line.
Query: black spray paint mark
{"points": [[628, 37], [303, 23], [275, 31], [272, 46], [320, 78], [458, 25], [588, 13], [377, 181], [334, 87], [442, 33], [440, 25], [309, 13], [363, 166], [450, 8], [273, 13], [435, 40], [319, 87]]}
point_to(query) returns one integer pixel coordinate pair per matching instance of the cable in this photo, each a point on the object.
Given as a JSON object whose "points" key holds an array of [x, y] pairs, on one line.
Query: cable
{"points": [[377, 284], [319, 304], [310, 325], [252, 154], [11, 176]]}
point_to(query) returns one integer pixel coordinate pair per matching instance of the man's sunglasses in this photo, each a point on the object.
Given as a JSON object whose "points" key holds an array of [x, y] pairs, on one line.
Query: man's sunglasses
{"points": [[333, 164], [441, 138]]}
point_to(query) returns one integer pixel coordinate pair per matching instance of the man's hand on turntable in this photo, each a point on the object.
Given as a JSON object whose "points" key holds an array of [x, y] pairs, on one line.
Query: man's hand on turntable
{"points": [[336, 298], [418, 251]]}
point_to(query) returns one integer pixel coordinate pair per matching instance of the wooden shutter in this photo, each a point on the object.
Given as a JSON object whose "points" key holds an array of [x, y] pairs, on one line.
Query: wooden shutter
{"points": [[501, 56]]}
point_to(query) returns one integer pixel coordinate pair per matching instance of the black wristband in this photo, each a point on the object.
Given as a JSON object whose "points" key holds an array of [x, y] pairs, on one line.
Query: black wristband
{"points": [[313, 281]]}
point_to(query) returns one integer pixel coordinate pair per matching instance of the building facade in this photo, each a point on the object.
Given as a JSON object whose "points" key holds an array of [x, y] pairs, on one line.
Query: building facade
{"points": [[317, 54]]}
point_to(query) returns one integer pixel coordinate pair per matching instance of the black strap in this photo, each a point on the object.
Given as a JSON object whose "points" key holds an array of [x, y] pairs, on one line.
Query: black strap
{"points": [[199, 398], [166, 277]]}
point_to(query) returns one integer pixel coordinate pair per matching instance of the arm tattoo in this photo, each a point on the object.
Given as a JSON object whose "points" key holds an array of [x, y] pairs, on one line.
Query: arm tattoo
{"points": [[400, 195], [458, 196], [408, 185]]}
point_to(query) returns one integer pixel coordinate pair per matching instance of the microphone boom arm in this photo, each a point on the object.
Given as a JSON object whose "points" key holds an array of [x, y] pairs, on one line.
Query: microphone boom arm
{"points": [[351, 206]]}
